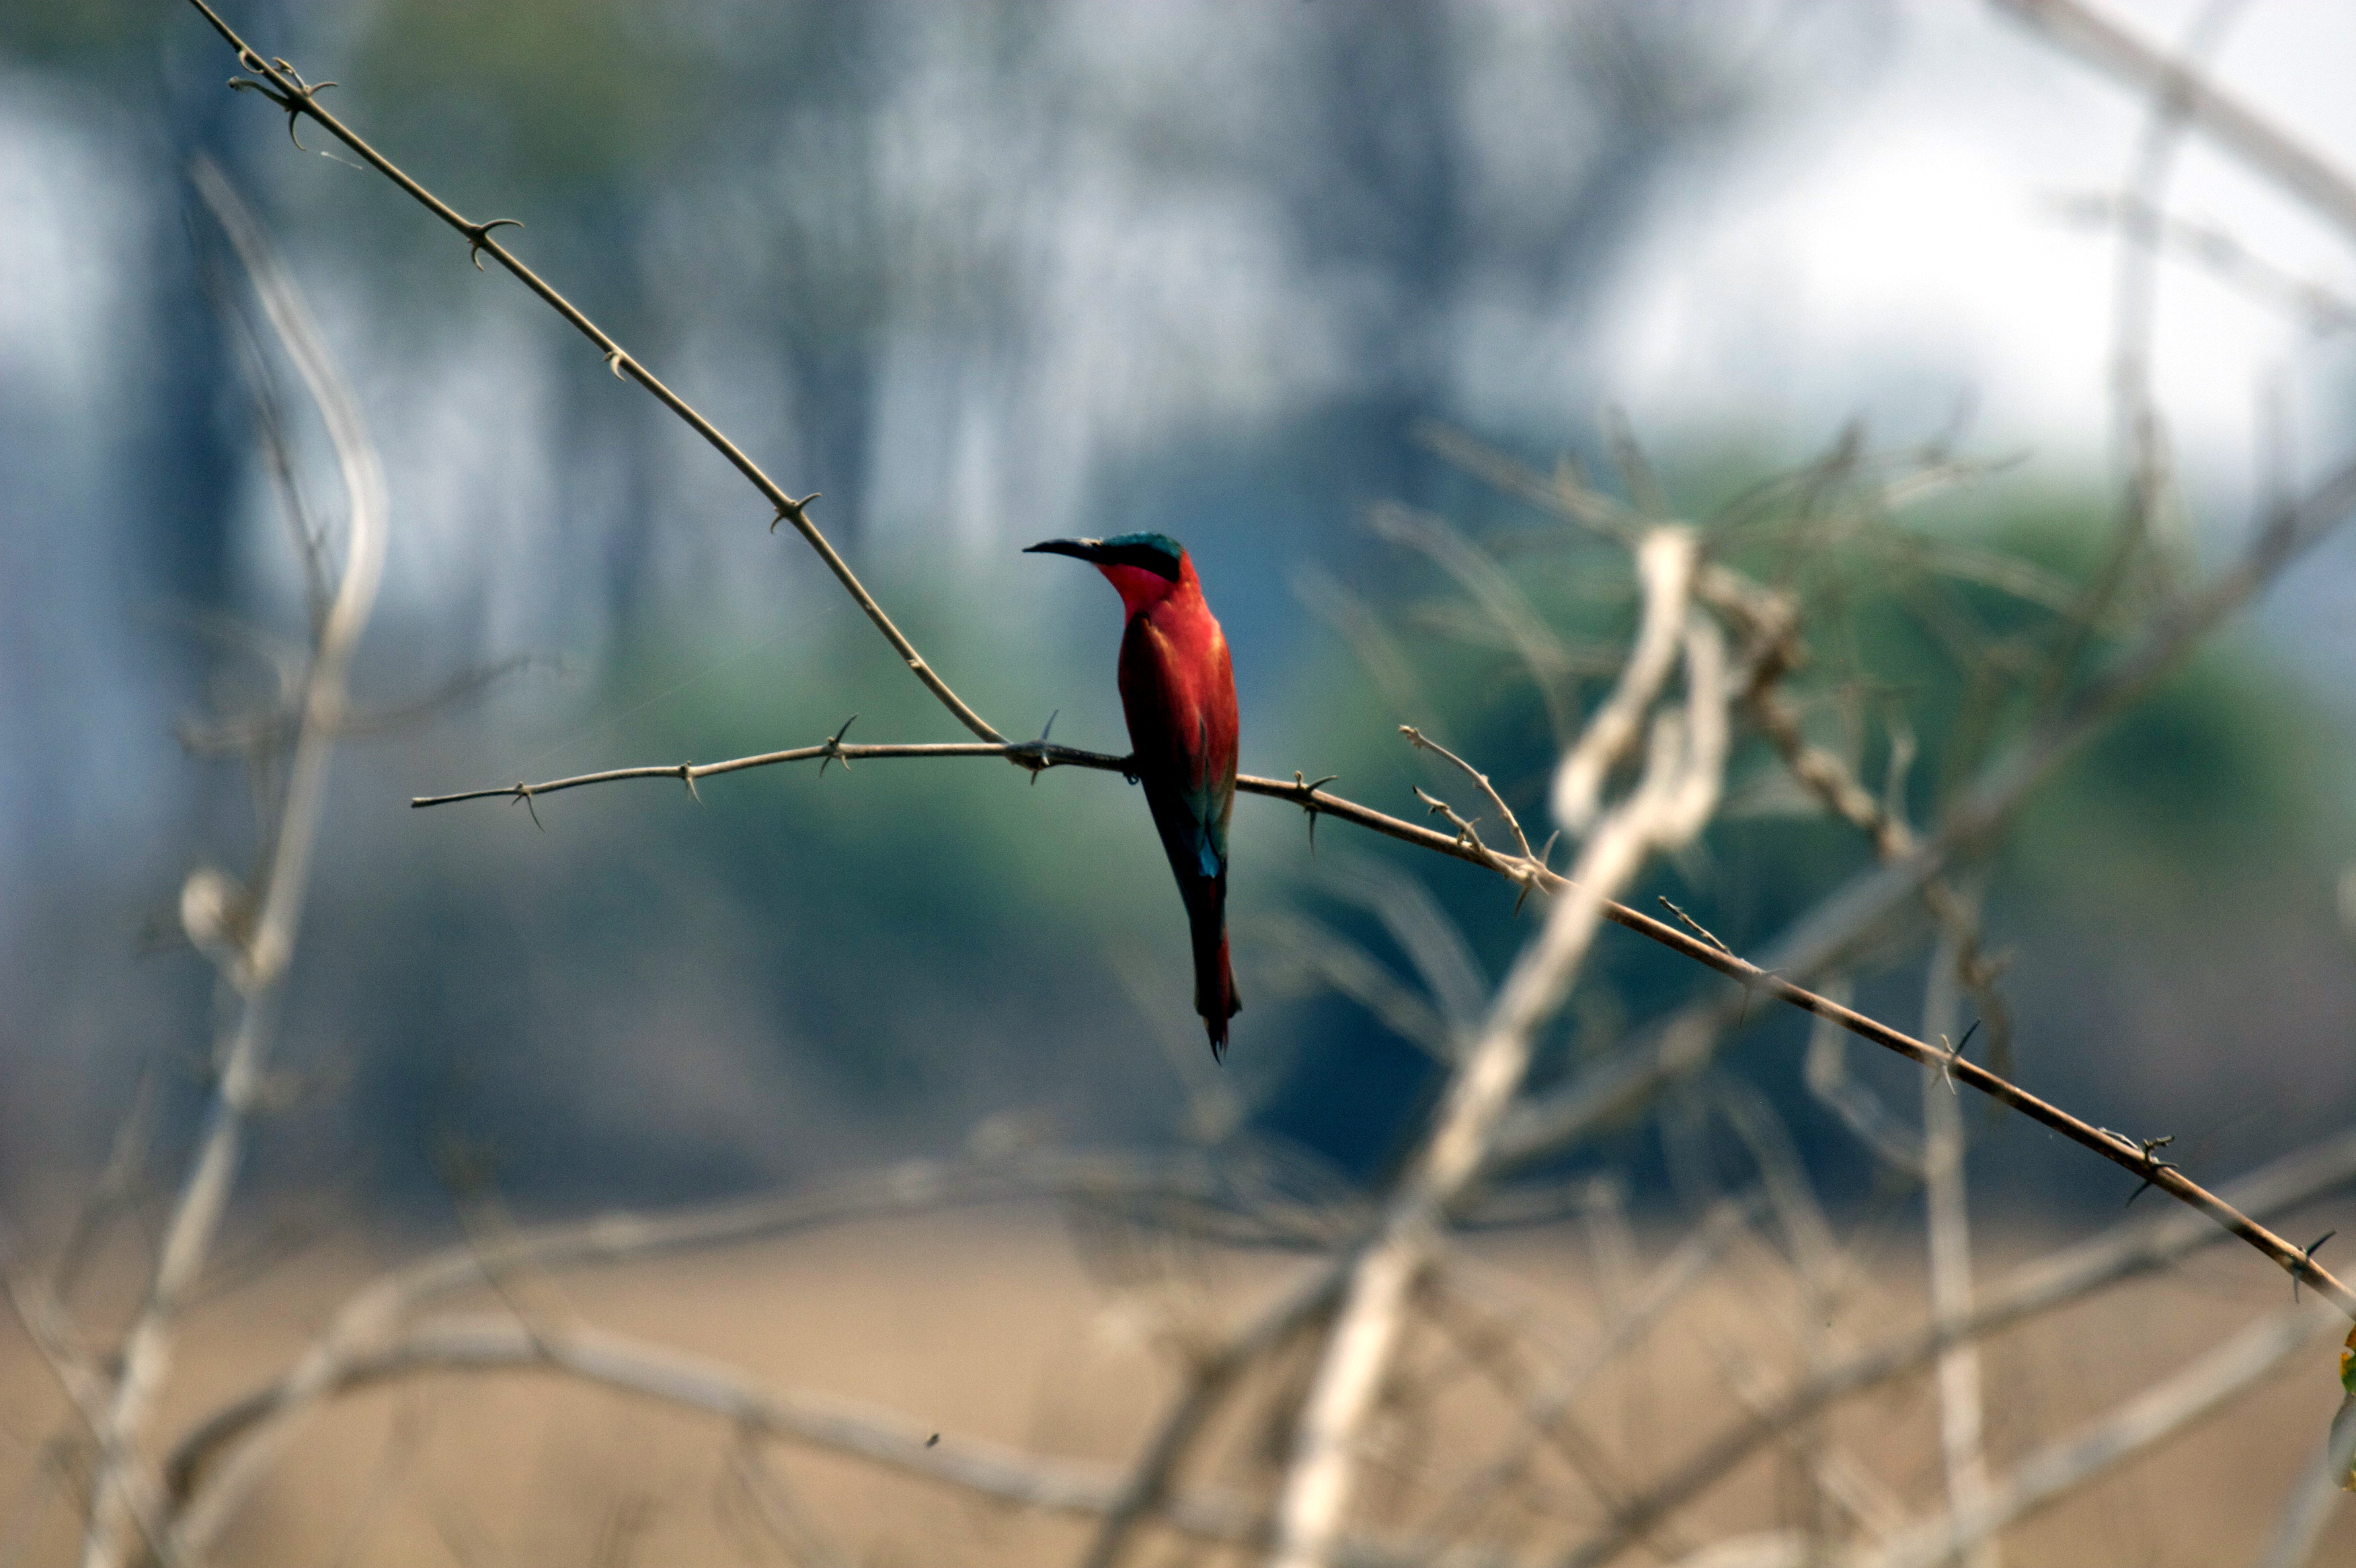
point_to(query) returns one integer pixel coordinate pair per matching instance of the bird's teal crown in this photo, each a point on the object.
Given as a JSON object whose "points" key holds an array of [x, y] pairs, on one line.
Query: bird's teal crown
{"points": [[1155, 553]]}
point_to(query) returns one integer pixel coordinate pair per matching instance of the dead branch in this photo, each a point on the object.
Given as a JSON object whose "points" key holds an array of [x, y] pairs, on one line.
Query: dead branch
{"points": [[479, 1345], [2158, 1412], [2311, 305], [1147, 1484], [2126, 1253], [257, 963], [215, 1463], [1947, 1224], [284, 87], [1672, 801], [1669, 554], [2263, 147], [1686, 1041], [1668, 1286]]}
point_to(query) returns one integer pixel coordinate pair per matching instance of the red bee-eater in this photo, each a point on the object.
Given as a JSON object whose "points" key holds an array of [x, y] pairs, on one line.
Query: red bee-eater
{"points": [[1178, 691]]}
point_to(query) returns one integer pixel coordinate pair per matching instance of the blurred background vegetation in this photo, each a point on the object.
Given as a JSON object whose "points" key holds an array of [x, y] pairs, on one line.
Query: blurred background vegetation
{"points": [[984, 275]]}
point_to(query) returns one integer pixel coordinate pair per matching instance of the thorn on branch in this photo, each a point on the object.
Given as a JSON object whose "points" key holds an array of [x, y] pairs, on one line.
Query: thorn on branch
{"points": [[2151, 1147], [792, 512], [1465, 835], [615, 359], [1956, 1054], [1536, 865], [479, 234], [1696, 926], [524, 793], [1308, 802], [2306, 1261], [834, 747], [687, 776], [294, 98], [1033, 754]]}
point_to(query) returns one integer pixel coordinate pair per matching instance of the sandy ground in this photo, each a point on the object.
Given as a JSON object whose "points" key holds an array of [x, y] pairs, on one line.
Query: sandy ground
{"points": [[1019, 1329]]}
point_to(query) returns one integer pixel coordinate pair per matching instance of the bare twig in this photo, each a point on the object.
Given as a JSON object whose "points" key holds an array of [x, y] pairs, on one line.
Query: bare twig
{"points": [[478, 1345], [257, 964], [1671, 802], [2158, 1412], [1687, 1040], [220, 1459], [1948, 1225], [279, 82], [1148, 1483], [1669, 554], [46, 1322], [1666, 1288], [2128, 1251], [1037, 756], [2224, 118], [1500, 599], [2305, 301], [1422, 742]]}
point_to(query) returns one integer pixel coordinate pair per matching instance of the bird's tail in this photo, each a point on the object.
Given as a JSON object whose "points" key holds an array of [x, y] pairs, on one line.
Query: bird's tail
{"points": [[1215, 979]]}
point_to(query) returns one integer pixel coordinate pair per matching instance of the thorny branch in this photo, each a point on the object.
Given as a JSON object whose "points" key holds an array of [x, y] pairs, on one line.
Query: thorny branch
{"points": [[1604, 741], [278, 81]]}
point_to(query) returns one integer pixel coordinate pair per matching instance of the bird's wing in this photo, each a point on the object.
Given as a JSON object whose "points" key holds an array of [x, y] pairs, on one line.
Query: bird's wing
{"points": [[1174, 734]]}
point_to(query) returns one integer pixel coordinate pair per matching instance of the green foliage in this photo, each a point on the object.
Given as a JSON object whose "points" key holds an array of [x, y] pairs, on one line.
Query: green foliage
{"points": [[1932, 632]]}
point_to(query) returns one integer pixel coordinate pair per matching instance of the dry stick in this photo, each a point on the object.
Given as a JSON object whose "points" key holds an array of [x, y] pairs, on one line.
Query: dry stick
{"points": [[1947, 1221], [2159, 1411], [1487, 1344], [2139, 433], [490, 1344], [1037, 756], [1662, 1291], [1666, 809], [257, 967], [2218, 251], [1422, 742], [215, 1463], [1578, 781], [1147, 1486], [1499, 597], [282, 86], [2071, 1275], [1689, 1037], [1818, 940], [2223, 118], [46, 1322]]}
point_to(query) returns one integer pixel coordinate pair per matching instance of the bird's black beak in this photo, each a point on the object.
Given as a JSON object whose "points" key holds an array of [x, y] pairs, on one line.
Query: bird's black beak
{"points": [[1078, 549]]}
